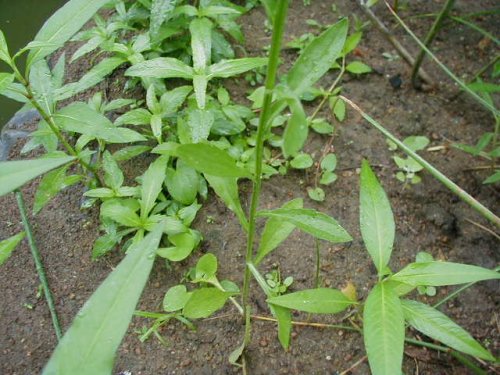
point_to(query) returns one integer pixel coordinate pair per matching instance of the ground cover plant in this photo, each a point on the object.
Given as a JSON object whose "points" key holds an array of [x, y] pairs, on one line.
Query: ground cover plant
{"points": [[206, 140]]}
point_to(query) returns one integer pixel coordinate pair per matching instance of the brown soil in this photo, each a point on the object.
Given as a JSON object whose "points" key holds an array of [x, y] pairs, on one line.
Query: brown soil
{"points": [[428, 217]]}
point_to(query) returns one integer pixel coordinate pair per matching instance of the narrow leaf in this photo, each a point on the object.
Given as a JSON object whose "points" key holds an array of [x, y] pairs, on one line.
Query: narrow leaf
{"points": [[318, 301], [14, 174], [376, 219], [5, 80], [384, 330], [90, 344], [201, 42], [8, 245], [161, 11], [161, 67], [152, 182], [231, 68], [295, 134], [311, 221]]}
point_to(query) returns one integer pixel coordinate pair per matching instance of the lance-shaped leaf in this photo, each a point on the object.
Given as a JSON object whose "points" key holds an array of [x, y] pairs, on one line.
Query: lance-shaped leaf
{"points": [[161, 11], [90, 344], [311, 221], [62, 25], [5, 80], [317, 301], [276, 231], [80, 118], [161, 67], [8, 245], [200, 122], [230, 68], [152, 183], [376, 219], [384, 330], [318, 57], [4, 49], [41, 85], [442, 273], [14, 174], [201, 42], [211, 160], [296, 130], [200, 83], [226, 188], [438, 326]]}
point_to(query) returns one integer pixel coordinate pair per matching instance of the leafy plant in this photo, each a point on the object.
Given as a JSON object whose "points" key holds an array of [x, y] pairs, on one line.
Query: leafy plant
{"points": [[408, 166]]}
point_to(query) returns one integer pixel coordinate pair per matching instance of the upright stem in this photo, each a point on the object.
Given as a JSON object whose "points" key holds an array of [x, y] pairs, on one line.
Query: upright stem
{"points": [[38, 264], [272, 69], [428, 40]]}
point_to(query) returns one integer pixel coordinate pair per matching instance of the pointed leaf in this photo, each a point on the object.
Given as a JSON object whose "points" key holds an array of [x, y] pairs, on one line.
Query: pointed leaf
{"points": [[384, 330], [90, 344], [4, 49], [284, 318], [5, 80], [201, 42], [176, 298], [161, 11], [438, 326], [182, 183], [311, 221], [231, 68], [376, 219], [200, 122], [442, 273], [206, 268], [113, 175], [152, 182], [14, 174], [295, 134], [318, 301], [8, 245], [161, 67], [204, 302]]}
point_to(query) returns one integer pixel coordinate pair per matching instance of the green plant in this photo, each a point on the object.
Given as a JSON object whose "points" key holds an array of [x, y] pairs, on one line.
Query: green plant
{"points": [[409, 167]]}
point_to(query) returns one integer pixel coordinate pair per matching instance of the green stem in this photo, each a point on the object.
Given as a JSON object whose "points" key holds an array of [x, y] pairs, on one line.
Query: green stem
{"points": [[272, 69], [462, 194], [38, 264], [316, 278], [452, 295], [428, 40]]}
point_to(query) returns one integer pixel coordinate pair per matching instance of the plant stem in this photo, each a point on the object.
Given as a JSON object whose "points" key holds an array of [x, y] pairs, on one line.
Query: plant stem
{"points": [[272, 69], [428, 40], [38, 264], [462, 194], [316, 277], [452, 295]]}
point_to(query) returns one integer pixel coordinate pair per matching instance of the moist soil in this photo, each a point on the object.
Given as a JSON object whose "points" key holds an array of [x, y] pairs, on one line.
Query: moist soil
{"points": [[428, 218]]}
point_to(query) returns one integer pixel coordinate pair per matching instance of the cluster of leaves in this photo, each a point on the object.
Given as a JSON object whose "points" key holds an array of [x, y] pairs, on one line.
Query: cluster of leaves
{"points": [[408, 166]]}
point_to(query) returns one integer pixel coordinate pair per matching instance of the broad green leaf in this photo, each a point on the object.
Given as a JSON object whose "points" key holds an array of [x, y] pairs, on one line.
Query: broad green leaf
{"points": [[284, 318], [316, 194], [310, 221], [201, 43], [8, 245], [121, 213], [211, 160], [113, 175], [89, 346], [138, 116], [204, 302], [5, 80], [327, 178], [317, 301], [95, 75], [62, 25], [182, 183], [88, 47], [384, 330], [295, 134], [129, 152], [40, 80], [184, 244], [161, 67], [80, 118], [226, 188], [200, 122], [161, 11], [176, 298], [376, 219], [301, 161], [104, 244], [206, 268], [173, 99], [317, 57], [52, 183], [152, 182], [275, 232], [14, 174], [329, 162], [231, 68], [416, 142], [15, 91], [200, 82], [438, 326], [352, 42], [4, 49], [357, 67], [442, 273]]}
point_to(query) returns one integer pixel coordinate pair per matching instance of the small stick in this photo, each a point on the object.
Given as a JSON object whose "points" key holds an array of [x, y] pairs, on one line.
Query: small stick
{"points": [[402, 51], [360, 361], [39, 265], [483, 228]]}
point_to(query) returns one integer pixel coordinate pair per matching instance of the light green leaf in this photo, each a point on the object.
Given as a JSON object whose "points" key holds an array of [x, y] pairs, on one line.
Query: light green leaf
{"points": [[5, 80], [376, 219], [215, 10], [443, 273], [211, 160], [40, 79], [201, 43], [339, 110], [8, 245], [14, 174], [384, 330], [327, 178], [121, 213], [204, 302], [226, 188], [52, 183], [152, 182], [310, 221], [161, 67], [438, 326], [329, 162], [301, 161], [161, 11], [316, 194], [200, 122], [182, 183], [275, 232], [113, 175], [138, 116], [129, 152], [173, 99], [176, 298], [416, 142], [200, 82], [184, 244], [103, 320], [317, 57], [357, 67], [4, 49], [284, 318], [206, 268], [317, 301], [233, 67], [295, 134], [80, 118], [62, 25]]}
